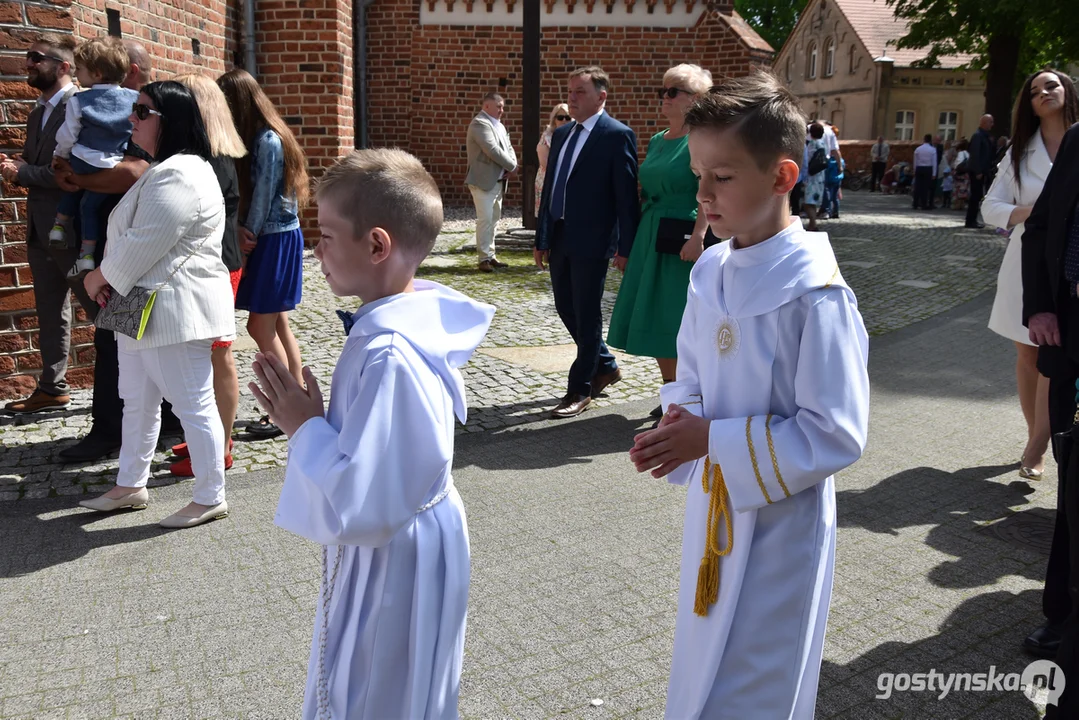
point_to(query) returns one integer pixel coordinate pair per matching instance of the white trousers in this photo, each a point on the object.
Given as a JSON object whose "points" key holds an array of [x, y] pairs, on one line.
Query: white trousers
{"points": [[184, 375], [488, 213]]}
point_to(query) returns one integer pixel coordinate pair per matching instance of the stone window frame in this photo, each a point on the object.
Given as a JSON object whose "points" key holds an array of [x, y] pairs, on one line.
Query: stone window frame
{"points": [[829, 57], [905, 124], [811, 61], [853, 57], [948, 130]]}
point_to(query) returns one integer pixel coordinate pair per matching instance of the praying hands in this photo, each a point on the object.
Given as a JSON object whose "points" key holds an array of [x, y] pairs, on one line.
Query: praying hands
{"points": [[287, 403], [681, 437]]}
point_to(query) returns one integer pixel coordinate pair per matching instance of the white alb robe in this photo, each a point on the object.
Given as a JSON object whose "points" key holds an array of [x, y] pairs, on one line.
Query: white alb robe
{"points": [[371, 482], [773, 350]]}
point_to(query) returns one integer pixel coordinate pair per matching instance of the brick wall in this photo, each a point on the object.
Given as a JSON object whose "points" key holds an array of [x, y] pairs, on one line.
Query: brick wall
{"points": [[166, 28], [426, 84]]}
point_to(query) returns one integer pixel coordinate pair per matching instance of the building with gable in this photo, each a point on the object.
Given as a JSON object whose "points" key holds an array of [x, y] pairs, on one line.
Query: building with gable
{"points": [[842, 62]]}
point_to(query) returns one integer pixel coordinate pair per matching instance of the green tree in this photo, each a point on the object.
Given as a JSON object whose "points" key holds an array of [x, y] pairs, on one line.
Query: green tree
{"points": [[772, 19], [1008, 38]]}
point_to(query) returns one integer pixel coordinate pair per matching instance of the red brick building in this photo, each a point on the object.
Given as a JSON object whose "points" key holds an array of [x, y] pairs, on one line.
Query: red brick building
{"points": [[422, 64]]}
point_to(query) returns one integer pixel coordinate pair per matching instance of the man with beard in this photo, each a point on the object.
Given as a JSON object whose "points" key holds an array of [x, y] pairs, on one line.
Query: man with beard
{"points": [[48, 70], [108, 409]]}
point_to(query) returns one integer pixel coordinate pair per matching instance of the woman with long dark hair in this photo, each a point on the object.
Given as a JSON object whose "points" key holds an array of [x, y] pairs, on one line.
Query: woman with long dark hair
{"points": [[165, 234], [274, 186], [1046, 107]]}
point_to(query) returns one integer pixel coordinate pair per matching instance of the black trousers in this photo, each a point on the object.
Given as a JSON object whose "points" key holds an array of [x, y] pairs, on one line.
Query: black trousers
{"points": [[877, 176], [974, 202], [578, 293], [923, 187], [1056, 600]]}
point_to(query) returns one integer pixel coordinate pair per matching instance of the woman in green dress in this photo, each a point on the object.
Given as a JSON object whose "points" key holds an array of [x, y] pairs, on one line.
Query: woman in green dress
{"points": [[652, 296]]}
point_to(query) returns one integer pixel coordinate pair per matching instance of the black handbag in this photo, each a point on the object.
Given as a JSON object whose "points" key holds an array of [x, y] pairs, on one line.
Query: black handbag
{"points": [[672, 234]]}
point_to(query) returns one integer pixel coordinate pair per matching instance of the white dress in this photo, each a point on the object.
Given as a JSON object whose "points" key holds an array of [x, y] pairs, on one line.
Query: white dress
{"points": [[1004, 196], [371, 481], [773, 350]]}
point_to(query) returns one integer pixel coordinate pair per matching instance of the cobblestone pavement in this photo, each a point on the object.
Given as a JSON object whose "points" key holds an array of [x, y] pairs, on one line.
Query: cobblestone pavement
{"points": [[904, 266], [941, 547]]}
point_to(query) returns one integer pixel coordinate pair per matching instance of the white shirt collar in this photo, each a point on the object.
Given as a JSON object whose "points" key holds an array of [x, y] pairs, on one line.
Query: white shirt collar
{"points": [[591, 122], [56, 96], [494, 121], [105, 86]]}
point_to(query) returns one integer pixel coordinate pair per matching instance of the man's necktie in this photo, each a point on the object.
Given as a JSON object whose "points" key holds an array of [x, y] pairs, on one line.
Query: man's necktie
{"points": [[346, 319], [558, 200]]}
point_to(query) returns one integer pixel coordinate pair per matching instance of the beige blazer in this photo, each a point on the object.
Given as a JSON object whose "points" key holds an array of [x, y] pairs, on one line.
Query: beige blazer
{"points": [[490, 153], [174, 208]]}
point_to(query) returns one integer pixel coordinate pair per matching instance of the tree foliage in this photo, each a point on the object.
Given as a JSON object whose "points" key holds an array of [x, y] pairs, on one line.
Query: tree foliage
{"points": [[772, 19], [1008, 39]]}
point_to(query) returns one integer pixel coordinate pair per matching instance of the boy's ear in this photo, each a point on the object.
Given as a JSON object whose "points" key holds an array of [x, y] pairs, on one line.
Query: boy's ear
{"points": [[381, 245], [786, 176]]}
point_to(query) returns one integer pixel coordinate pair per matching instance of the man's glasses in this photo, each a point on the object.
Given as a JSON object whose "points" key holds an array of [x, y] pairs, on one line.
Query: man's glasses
{"points": [[671, 92], [144, 111], [35, 57], [563, 118]]}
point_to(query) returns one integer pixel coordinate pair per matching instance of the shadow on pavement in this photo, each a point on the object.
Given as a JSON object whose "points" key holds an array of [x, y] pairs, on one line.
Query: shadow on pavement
{"points": [[32, 543], [961, 646], [958, 505]]}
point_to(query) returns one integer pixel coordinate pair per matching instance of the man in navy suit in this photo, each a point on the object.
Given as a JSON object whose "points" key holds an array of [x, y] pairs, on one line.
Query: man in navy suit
{"points": [[588, 215]]}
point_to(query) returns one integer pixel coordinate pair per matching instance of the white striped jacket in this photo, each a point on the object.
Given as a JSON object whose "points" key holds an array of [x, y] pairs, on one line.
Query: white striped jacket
{"points": [[167, 213]]}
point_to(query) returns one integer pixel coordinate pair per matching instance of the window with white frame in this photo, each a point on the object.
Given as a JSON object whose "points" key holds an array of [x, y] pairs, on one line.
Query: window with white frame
{"points": [[811, 62], [829, 58], [904, 125], [948, 125]]}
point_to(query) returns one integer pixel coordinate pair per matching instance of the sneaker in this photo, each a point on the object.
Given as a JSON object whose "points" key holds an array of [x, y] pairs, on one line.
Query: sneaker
{"points": [[57, 236], [38, 401], [83, 265]]}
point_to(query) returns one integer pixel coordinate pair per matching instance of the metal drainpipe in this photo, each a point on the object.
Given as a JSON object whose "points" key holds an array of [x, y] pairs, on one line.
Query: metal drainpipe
{"points": [[359, 72], [249, 37]]}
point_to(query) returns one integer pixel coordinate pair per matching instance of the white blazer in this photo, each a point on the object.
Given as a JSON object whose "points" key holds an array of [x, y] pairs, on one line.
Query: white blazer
{"points": [[1005, 194], [167, 213]]}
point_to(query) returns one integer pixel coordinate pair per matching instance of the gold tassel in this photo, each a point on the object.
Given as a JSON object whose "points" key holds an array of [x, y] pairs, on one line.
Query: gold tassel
{"points": [[708, 573]]}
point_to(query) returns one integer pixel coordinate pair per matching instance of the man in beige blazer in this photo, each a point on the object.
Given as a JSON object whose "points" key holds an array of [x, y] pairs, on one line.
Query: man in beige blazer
{"points": [[48, 70], [490, 160]]}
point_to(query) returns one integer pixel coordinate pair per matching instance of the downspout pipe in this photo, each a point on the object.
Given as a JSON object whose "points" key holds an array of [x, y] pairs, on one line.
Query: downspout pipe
{"points": [[359, 72], [249, 37]]}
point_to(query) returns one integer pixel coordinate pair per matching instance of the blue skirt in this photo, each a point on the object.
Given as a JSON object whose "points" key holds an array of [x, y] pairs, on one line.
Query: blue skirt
{"points": [[273, 277]]}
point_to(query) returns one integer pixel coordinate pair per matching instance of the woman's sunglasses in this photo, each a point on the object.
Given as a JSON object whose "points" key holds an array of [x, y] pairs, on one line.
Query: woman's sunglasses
{"points": [[35, 57], [144, 111], [563, 118], [671, 92]]}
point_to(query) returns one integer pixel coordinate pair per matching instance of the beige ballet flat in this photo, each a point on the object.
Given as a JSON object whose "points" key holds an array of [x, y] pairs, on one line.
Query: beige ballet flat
{"points": [[1028, 473], [176, 520], [135, 501]]}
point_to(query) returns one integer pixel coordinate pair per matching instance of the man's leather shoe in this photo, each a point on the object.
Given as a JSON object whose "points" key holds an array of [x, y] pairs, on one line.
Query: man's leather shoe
{"points": [[486, 266], [39, 400], [572, 405], [1045, 641], [92, 447], [498, 263], [600, 382], [975, 226]]}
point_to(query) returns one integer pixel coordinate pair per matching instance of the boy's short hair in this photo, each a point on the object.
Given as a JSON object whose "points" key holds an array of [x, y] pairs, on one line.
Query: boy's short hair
{"points": [[62, 46], [601, 81], [390, 189], [104, 55], [816, 131], [763, 113]]}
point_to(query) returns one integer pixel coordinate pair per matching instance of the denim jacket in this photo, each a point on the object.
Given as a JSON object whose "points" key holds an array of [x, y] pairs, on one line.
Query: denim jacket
{"points": [[269, 211]]}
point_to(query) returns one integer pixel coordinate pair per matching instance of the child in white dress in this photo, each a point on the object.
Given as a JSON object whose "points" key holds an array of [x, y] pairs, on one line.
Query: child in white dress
{"points": [[369, 479]]}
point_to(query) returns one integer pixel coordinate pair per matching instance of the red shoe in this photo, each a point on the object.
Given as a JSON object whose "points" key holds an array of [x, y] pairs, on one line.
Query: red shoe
{"points": [[181, 450], [182, 468]]}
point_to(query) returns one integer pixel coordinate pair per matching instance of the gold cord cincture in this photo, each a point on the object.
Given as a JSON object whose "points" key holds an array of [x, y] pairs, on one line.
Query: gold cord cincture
{"points": [[708, 574]]}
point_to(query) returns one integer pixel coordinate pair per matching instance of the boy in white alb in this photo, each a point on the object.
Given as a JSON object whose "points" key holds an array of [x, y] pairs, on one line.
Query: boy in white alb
{"points": [[370, 480], [772, 398]]}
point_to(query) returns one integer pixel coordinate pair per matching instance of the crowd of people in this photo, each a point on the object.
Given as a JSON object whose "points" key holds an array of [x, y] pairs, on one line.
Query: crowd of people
{"points": [[187, 187], [190, 189]]}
